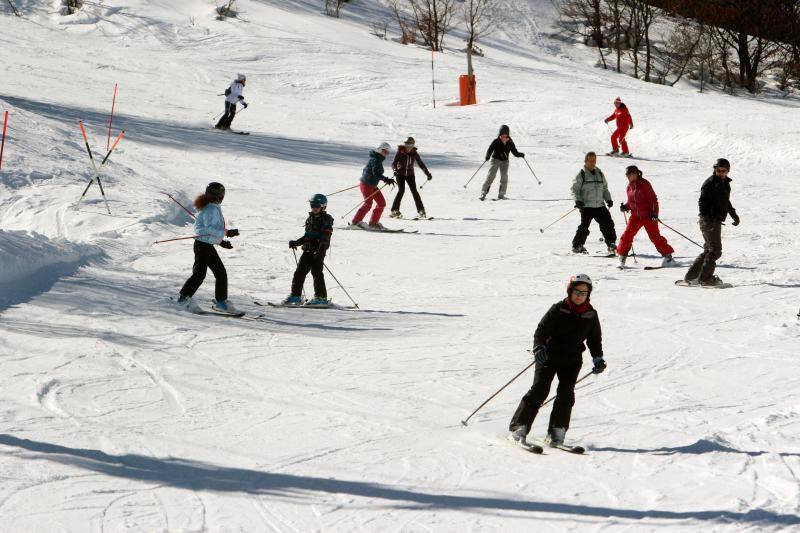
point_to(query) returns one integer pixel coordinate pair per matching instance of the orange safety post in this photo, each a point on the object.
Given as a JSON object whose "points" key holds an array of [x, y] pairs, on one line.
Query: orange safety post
{"points": [[466, 89], [3, 145]]}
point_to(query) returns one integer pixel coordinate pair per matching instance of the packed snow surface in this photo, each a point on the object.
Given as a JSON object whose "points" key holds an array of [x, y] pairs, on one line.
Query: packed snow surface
{"points": [[120, 413]]}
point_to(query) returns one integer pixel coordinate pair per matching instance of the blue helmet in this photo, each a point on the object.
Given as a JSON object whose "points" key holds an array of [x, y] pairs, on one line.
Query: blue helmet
{"points": [[318, 200]]}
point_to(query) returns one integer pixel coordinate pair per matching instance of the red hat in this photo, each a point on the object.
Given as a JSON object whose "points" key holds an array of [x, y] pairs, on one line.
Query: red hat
{"points": [[618, 100]]}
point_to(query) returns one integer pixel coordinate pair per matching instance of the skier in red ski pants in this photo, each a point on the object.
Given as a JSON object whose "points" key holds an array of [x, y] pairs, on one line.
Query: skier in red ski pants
{"points": [[624, 123]]}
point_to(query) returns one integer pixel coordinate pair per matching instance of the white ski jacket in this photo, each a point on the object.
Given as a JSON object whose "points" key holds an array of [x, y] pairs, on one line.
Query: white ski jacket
{"points": [[236, 93]]}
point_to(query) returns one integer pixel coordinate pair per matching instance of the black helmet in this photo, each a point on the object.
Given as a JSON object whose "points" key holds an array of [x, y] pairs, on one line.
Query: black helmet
{"points": [[216, 189], [318, 200], [722, 162], [504, 130], [633, 168]]}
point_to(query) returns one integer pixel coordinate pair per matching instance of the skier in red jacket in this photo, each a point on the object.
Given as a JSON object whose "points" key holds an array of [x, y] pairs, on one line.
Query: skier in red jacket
{"points": [[643, 206], [624, 123]]}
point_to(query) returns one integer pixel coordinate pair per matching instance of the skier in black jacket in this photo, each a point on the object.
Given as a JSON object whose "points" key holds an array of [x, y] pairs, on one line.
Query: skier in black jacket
{"points": [[558, 345], [315, 242], [715, 206], [498, 152]]}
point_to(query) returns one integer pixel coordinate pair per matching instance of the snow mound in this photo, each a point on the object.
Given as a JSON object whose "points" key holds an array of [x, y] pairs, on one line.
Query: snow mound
{"points": [[30, 263]]}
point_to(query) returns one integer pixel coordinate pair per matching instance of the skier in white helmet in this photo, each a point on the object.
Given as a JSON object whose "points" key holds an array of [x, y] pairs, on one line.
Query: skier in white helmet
{"points": [[233, 96], [558, 344]]}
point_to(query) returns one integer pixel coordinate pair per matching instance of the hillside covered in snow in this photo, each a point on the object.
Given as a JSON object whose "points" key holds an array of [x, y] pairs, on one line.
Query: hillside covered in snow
{"points": [[119, 412]]}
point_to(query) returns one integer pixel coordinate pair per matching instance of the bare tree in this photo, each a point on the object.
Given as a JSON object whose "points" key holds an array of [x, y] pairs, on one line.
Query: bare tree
{"points": [[334, 7], [69, 7], [585, 18], [753, 56], [478, 24], [408, 34], [433, 19], [617, 15], [641, 17]]}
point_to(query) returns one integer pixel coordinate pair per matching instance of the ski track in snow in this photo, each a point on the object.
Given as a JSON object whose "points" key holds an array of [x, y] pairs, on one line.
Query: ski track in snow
{"points": [[120, 413]]}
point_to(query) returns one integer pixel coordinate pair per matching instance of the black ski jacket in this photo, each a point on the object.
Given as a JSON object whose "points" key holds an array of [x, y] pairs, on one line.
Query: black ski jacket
{"points": [[715, 199], [500, 151], [319, 229], [403, 164], [563, 332]]}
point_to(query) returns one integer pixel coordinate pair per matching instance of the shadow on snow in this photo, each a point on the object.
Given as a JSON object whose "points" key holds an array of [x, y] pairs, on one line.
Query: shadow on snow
{"points": [[194, 475]]}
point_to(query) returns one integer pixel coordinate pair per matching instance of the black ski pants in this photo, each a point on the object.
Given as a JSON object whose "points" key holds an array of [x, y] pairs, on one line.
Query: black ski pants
{"points": [[205, 257], [401, 190], [227, 117], [313, 262], [543, 375], [603, 217], [705, 263]]}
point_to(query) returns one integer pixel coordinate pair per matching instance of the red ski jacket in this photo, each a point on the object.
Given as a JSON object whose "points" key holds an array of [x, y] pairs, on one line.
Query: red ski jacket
{"points": [[623, 117], [642, 199]]}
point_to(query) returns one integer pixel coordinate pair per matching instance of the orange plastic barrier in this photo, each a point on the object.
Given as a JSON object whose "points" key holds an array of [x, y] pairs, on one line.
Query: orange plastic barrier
{"points": [[466, 87]]}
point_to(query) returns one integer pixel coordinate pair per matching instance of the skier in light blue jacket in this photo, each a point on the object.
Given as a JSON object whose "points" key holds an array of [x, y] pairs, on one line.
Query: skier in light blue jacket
{"points": [[209, 226]]}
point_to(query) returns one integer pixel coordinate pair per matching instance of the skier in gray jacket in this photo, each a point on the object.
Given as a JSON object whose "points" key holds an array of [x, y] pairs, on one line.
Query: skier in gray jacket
{"points": [[590, 192]]}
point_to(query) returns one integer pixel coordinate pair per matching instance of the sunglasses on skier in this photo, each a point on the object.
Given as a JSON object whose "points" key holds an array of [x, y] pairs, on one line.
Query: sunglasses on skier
{"points": [[580, 293]]}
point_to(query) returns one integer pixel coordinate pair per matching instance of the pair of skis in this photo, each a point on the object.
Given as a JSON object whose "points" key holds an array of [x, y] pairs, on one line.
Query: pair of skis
{"points": [[537, 446]]}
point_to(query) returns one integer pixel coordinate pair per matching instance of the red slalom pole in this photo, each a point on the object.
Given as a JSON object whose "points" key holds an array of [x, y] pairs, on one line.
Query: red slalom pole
{"points": [[3, 144], [180, 204], [111, 118], [181, 238]]}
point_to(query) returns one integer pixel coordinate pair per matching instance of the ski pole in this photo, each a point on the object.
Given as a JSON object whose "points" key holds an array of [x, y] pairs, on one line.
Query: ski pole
{"points": [[3, 143], [94, 165], [679, 233], [633, 252], [103, 162], [365, 199], [424, 183], [180, 204], [111, 117], [558, 219], [490, 398], [296, 264], [532, 172], [476, 173], [343, 190], [182, 238], [340, 285]]}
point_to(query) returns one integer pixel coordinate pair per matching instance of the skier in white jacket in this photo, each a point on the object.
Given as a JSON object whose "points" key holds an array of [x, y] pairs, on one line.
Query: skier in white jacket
{"points": [[233, 96]]}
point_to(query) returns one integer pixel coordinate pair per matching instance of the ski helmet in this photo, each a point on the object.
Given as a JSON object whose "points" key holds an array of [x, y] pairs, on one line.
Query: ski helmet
{"points": [[241, 77], [318, 200], [384, 146], [216, 189], [722, 162], [504, 130], [578, 279], [633, 168], [410, 142]]}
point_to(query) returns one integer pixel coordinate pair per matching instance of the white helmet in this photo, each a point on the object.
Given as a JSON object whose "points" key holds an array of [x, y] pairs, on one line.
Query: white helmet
{"points": [[241, 77], [577, 279], [384, 146]]}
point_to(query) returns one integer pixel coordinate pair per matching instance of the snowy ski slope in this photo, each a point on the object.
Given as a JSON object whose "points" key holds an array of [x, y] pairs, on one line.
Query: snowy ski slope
{"points": [[118, 413]]}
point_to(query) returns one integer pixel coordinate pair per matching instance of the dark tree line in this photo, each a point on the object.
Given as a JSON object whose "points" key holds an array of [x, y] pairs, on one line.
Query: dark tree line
{"points": [[729, 43]]}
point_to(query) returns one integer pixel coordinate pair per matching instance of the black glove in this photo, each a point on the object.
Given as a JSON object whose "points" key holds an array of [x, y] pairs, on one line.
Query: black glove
{"points": [[487, 158], [599, 365], [390, 181], [606, 121], [294, 244], [654, 217], [430, 177], [521, 154], [735, 218], [232, 233], [540, 354], [610, 204], [624, 207], [579, 204], [227, 245], [244, 104]]}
